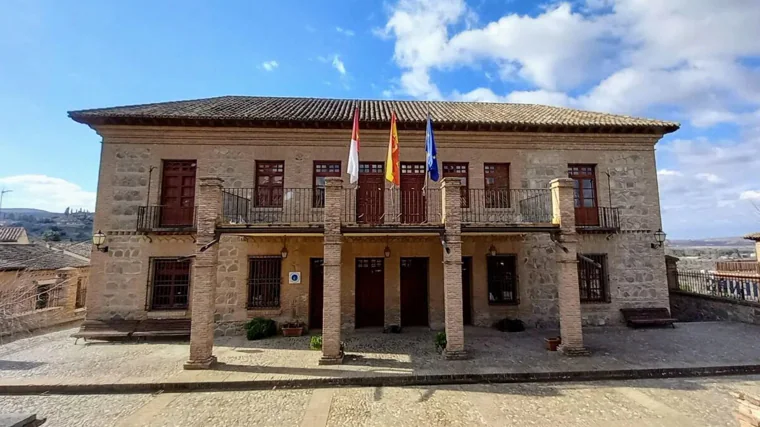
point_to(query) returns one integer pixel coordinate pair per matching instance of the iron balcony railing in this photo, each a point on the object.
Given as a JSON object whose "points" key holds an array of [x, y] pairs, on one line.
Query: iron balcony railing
{"points": [[151, 218], [272, 206], [742, 287], [606, 219], [506, 206], [392, 206]]}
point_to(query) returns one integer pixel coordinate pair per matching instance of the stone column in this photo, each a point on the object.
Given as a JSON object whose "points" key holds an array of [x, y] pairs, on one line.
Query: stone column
{"points": [[563, 209], [452, 268], [332, 353], [671, 271], [203, 284]]}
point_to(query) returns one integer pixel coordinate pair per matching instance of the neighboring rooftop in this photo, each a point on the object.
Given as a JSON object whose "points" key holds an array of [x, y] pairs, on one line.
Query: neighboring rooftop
{"points": [[13, 235], [317, 112], [753, 236], [36, 257], [82, 249]]}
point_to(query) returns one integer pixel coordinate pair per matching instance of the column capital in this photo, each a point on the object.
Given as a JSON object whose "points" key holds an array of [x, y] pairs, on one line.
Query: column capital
{"points": [[451, 182], [333, 181], [561, 182], [210, 181]]}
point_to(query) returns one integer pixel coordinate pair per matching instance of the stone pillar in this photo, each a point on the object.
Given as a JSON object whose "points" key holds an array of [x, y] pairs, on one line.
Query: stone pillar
{"points": [[203, 284], [563, 210], [332, 353], [671, 271], [452, 268]]}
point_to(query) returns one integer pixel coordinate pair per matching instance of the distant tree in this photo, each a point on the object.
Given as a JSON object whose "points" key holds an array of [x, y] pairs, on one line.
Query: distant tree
{"points": [[66, 212], [10, 216], [51, 236]]}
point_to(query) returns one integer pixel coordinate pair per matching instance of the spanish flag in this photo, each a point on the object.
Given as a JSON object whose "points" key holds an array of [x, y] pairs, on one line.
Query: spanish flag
{"points": [[392, 169]]}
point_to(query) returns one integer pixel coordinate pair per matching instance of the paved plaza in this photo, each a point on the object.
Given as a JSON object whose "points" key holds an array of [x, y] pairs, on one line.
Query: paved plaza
{"points": [[54, 358]]}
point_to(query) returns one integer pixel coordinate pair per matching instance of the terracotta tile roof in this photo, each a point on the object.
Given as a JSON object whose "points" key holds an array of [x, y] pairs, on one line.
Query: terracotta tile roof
{"points": [[753, 236], [246, 110], [35, 257], [83, 249], [10, 234]]}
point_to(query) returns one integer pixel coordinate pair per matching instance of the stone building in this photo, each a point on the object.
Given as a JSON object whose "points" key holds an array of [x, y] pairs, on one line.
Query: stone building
{"points": [[229, 208]]}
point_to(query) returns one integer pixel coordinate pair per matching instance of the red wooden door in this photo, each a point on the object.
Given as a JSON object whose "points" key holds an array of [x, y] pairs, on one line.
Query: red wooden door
{"points": [[369, 292], [584, 187], [316, 292], [177, 193], [413, 207], [370, 198], [414, 298], [466, 293]]}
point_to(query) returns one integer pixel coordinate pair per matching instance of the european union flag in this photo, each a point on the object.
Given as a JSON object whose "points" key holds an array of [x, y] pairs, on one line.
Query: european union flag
{"points": [[431, 151]]}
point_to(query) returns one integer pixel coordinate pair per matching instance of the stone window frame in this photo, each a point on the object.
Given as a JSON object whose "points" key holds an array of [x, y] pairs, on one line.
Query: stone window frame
{"points": [[271, 279], [514, 299], [150, 296], [323, 169], [604, 279]]}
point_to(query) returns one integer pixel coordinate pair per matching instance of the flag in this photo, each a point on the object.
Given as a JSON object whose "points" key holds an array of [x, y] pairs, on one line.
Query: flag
{"points": [[392, 162], [353, 152], [431, 151]]}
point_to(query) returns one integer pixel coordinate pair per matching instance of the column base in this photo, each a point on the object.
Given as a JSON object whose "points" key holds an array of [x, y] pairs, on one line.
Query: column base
{"points": [[455, 354], [332, 360], [200, 364], [574, 351]]}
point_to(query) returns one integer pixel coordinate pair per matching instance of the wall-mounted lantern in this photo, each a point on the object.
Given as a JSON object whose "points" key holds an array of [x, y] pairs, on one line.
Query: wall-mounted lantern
{"points": [[659, 238], [492, 250], [98, 239], [387, 251]]}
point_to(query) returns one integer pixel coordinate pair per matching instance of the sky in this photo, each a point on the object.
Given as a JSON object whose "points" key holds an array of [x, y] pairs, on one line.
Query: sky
{"points": [[692, 61]]}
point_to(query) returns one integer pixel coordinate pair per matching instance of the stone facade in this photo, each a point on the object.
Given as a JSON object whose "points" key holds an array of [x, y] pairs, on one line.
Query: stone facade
{"points": [[130, 177], [689, 307]]}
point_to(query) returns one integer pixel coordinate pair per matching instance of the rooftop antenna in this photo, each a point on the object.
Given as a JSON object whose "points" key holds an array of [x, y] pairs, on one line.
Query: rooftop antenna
{"points": [[2, 193]]}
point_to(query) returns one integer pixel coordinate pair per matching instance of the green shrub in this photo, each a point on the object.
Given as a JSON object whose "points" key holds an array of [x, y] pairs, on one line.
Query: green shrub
{"points": [[316, 342], [440, 341], [258, 328]]}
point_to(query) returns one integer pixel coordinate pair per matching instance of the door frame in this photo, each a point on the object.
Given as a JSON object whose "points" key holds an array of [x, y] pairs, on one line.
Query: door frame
{"points": [[381, 190], [467, 260], [356, 293], [163, 221], [427, 289], [413, 217], [312, 261]]}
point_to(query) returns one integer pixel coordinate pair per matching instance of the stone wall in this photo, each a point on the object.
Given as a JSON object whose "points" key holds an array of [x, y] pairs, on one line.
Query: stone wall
{"points": [[688, 307]]}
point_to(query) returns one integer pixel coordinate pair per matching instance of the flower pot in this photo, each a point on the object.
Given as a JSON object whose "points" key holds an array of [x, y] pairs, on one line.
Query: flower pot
{"points": [[553, 343], [292, 332]]}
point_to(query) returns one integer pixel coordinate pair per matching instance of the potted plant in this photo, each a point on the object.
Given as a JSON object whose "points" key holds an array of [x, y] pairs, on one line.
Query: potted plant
{"points": [[293, 328], [553, 343], [440, 341]]}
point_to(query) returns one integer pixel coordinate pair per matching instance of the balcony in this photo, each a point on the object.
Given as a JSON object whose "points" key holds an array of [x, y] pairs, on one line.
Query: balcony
{"points": [[605, 220], [392, 207], [166, 219], [519, 208], [251, 207]]}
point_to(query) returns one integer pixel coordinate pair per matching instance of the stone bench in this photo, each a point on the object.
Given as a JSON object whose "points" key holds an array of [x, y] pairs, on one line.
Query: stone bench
{"points": [[649, 316]]}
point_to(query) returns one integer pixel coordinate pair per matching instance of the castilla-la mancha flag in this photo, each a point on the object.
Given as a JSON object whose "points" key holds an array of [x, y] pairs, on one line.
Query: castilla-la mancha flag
{"points": [[392, 162], [353, 152]]}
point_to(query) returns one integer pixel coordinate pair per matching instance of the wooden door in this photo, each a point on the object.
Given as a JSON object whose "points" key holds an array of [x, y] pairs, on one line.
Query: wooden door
{"points": [[316, 292], [414, 298], [466, 292], [370, 302], [177, 193], [584, 187], [370, 198], [413, 207]]}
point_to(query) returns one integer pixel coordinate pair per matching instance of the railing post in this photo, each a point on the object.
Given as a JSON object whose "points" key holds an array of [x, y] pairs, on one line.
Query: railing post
{"points": [[332, 352], [203, 284], [451, 215], [563, 209]]}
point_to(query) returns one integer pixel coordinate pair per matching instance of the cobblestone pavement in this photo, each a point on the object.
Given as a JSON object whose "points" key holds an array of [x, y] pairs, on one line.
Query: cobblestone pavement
{"points": [[54, 358], [664, 402]]}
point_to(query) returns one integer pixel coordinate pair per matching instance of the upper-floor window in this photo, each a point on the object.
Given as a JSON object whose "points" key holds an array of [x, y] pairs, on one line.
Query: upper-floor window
{"points": [[323, 170], [496, 185], [459, 170], [177, 193], [584, 192], [270, 176]]}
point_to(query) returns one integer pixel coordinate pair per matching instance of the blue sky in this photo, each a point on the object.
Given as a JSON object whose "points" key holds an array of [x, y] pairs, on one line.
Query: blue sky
{"points": [[693, 61]]}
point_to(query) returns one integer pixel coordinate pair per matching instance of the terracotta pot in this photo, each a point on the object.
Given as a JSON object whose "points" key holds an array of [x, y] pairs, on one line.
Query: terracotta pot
{"points": [[553, 343], [292, 332]]}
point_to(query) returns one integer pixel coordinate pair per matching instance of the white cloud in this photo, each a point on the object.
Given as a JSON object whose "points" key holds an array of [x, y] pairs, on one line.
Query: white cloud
{"points": [[750, 195], [668, 172], [270, 65], [338, 65], [709, 177], [45, 192], [345, 32]]}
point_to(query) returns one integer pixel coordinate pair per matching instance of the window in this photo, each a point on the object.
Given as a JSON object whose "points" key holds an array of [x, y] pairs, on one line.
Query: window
{"points": [[584, 191], [502, 279], [81, 293], [496, 185], [412, 168], [592, 278], [264, 282], [269, 184], [171, 284], [459, 170], [43, 297], [323, 170], [371, 167]]}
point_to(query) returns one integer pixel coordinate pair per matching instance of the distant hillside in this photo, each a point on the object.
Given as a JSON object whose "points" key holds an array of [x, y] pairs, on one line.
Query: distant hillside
{"points": [[714, 242], [51, 226]]}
